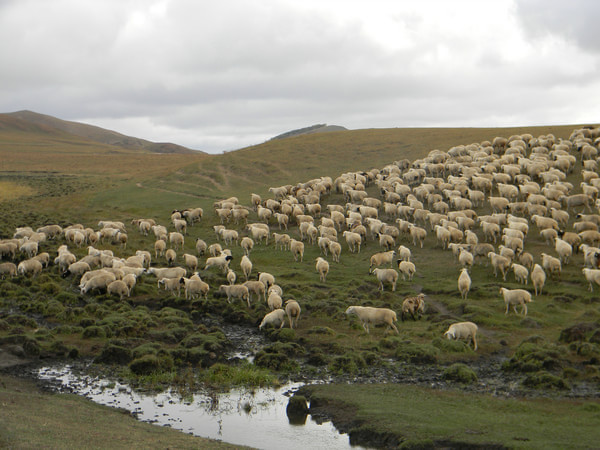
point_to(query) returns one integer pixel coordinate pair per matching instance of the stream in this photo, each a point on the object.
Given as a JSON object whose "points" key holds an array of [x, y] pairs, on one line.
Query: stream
{"points": [[255, 417]]}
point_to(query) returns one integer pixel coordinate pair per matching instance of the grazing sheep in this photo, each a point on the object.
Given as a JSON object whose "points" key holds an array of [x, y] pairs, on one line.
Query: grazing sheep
{"points": [[30, 267], [521, 273], [77, 269], [247, 244], [464, 283], [267, 279], [499, 262], [190, 261], [99, 282], [246, 266], [465, 258], [564, 250], [9, 269], [407, 269], [231, 276], [275, 289], [389, 276], [281, 240], [201, 247], [335, 249], [229, 236], [221, 262], [353, 240], [292, 309], [257, 288], [413, 306], [170, 256], [194, 288], [159, 248], [322, 267], [274, 301], [370, 315], [118, 287], [381, 258], [297, 249], [215, 249], [167, 272], [30, 248], [235, 291], [463, 330], [404, 253], [592, 276], [170, 284], [275, 318], [130, 280], [258, 233], [514, 297], [418, 234], [176, 240], [551, 264]]}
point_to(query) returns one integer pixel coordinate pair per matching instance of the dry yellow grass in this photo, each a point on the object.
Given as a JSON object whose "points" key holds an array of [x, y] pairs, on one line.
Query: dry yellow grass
{"points": [[13, 191]]}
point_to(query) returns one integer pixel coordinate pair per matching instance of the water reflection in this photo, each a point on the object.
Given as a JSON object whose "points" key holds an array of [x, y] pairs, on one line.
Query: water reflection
{"points": [[259, 418]]}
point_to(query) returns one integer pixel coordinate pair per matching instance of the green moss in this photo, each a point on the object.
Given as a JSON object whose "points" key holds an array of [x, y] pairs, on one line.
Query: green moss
{"points": [[417, 353], [94, 331], [114, 354], [545, 380], [149, 364], [460, 373]]}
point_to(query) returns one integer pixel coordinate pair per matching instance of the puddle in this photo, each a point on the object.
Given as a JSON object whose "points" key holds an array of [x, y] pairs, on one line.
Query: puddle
{"points": [[245, 417]]}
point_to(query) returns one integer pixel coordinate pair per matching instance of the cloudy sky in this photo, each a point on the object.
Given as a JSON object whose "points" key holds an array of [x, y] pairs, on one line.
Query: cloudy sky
{"points": [[221, 75]]}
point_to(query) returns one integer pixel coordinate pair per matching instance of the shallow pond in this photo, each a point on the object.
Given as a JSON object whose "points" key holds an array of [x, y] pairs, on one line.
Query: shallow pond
{"points": [[246, 417]]}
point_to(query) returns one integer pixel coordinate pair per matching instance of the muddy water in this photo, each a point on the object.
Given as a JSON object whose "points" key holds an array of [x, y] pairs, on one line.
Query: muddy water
{"points": [[255, 418]]}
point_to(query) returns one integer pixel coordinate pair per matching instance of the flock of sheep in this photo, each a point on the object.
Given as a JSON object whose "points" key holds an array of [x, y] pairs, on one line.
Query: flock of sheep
{"points": [[522, 180]]}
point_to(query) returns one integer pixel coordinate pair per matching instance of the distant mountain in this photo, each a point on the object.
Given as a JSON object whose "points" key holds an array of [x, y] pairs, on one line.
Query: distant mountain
{"points": [[41, 123], [318, 128]]}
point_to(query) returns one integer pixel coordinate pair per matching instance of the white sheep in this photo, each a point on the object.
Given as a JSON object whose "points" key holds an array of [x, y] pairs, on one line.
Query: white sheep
{"points": [[592, 276], [382, 258], [292, 309], [274, 301], [514, 297], [404, 253], [389, 276], [231, 276], [257, 288], [465, 258], [247, 245], [521, 273], [275, 289], [170, 256], [77, 268], [160, 247], [297, 249], [551, 264], [176, 240], [201, 246], [194, 288], [370, 315], [563, 249], [130, 280], [464, 283], [118, 287], [463, 330], [275, 318], [30, 267], [499, 263], [167, 272], [246, 266], [335, 249], [267, 279], [353, 240], [170, 284], [322, 267], [99, 282], [9, 269], [407, 269], [235, 291], [221, 262]]}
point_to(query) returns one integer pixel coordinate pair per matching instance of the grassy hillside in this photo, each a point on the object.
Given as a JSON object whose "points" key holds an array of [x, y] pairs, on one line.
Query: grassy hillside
{"points": [[155, 334]]}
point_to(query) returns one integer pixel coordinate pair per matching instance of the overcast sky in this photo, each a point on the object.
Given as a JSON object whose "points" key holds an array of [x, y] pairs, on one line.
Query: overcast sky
{"points": [[221, 75]]}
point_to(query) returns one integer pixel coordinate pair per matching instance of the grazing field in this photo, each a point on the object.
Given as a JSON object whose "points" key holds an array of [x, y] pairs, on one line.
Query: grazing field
{"points": [[157, 338]]}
